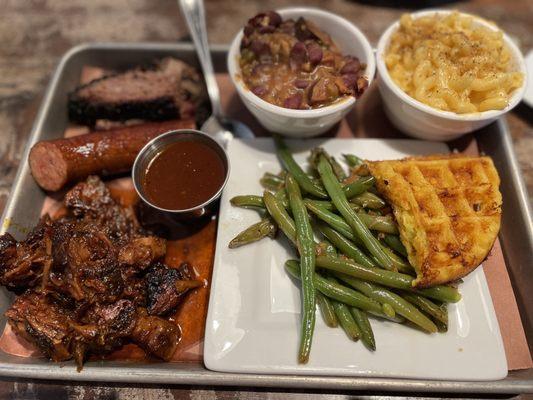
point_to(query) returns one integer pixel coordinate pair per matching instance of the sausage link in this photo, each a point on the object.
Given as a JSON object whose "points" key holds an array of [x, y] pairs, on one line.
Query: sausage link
{"points": [[55, 163]]}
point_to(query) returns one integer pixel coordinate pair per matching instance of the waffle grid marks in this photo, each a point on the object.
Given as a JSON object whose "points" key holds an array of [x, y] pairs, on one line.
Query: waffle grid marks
{"points": [[448, 210]]}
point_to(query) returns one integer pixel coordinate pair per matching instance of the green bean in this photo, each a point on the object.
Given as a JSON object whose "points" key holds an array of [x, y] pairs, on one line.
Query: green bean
{"points": [[281, 195], [338, 198], [306, 248], [391, 279], [368, 273], [378, 223], [253, 201], [373, 222], [339, 292], [306, 183], [397, 318], [344, 316], [340, 225], [327, 311], [323, 204], [352, 160], [345, 246], [388, 310], [337, 168], [325, 248], [398, 263], [401, 306], [329, 206], [247, 201], [271, 182], [367, 335], [442, 327], [426, 305], [346, 320], [444, 293], [368, 200], [334, 220], [395, 243], [276, 177], [280, 216], [330, 250], [255, 232], [358, 187]]}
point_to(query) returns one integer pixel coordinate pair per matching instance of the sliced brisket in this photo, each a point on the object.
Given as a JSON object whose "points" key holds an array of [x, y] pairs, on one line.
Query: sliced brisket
{"points": [[171, 89]]}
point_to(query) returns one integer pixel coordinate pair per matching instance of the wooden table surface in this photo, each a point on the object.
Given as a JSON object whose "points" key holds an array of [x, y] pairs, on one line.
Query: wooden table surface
{"points": [[35, 34]]}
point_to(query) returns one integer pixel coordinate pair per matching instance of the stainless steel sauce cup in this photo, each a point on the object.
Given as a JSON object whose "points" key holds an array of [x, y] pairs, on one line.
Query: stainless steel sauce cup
{"points": [[155, 147]]}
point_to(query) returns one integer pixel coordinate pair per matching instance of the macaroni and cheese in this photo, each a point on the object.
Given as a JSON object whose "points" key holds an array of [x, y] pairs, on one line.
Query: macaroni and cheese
{"points": [[451, 63]]}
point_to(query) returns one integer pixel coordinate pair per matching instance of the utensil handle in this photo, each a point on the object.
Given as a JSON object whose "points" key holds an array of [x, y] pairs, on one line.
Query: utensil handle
{"points": [[194, 13]]}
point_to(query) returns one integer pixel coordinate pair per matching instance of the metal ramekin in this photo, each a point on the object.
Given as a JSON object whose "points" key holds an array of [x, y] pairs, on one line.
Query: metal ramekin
{"points": [[154, 147]]}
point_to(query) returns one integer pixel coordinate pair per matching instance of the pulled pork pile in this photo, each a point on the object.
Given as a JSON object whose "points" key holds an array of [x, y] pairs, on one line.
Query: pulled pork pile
{"points": [[92, 281]]}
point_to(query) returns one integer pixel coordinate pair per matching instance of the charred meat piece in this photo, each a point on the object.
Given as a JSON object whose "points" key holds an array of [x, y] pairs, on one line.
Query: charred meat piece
{"points": [[17, 268], [116, 320], [92, 200], [22, 264], [92, 271], [165, 287], [105, 327], [89, 198], [141, 252], [134, 289], [61, 233], [171, 89], [43, 322], [156, 335]]}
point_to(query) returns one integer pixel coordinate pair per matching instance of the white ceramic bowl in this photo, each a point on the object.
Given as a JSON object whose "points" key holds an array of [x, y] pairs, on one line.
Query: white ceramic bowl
{"points": [[306, 123], [422, 121]]}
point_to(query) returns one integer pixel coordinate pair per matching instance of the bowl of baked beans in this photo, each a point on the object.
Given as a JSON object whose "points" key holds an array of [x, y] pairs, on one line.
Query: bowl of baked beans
{"points": [[300, 70], [443, 73]]}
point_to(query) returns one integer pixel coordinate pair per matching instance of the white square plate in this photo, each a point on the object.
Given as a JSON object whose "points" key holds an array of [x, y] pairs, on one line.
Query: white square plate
{"points": [[253, 318]]}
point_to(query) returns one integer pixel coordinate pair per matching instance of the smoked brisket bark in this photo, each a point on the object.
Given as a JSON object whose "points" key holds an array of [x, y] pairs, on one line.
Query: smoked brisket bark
{"points": [[171, 89], [22, 263], [166, 287], [44, 322]]}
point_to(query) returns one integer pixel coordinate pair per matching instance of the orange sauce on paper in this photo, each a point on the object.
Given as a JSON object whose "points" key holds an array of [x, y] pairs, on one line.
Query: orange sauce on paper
{"points": [[198, 249]]}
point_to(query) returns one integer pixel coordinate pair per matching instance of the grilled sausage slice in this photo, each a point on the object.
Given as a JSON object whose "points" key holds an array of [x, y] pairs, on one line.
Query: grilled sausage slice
{"points": [[55, 163]]}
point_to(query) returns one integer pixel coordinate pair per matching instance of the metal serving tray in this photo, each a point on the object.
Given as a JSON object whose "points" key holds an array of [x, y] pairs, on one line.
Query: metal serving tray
{"points": [[24, 204]]}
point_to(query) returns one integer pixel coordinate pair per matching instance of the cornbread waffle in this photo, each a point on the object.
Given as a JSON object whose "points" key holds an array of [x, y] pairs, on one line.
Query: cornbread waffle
{"points": [[448, 209]]}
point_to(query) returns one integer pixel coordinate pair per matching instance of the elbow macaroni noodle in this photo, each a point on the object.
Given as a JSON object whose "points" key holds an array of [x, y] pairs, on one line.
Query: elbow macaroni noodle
{"points": [[450, 63]]}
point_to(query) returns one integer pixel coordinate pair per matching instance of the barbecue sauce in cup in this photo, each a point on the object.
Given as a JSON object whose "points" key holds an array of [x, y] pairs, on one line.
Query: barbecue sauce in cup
{"points": [[183, 175]]}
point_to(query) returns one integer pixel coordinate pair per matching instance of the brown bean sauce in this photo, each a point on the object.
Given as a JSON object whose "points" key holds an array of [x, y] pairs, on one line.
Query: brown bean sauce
{"points": [[183, 175], [294, 64]]}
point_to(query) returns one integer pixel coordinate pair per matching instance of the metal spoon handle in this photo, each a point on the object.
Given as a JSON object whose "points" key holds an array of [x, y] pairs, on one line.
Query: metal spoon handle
{"points": [[194, 13]]}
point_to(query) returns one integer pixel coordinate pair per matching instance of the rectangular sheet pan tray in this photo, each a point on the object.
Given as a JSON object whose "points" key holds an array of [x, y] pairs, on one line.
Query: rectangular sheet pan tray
{"points": [[24, 204]]}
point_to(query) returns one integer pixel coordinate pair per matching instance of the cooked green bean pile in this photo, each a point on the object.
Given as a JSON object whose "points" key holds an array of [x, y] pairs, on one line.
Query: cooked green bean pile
{"points": [[358, 269]]}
